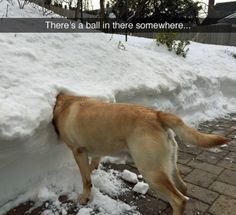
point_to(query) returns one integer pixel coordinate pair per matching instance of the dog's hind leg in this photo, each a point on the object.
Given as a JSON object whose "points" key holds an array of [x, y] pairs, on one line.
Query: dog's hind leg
{"points": [[180, 184], [162, 182], [152, 154], [81, 157], [94, 163]]}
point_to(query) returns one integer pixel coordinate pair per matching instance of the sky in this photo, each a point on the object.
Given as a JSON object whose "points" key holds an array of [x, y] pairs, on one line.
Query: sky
{"points": [[96, 2]]}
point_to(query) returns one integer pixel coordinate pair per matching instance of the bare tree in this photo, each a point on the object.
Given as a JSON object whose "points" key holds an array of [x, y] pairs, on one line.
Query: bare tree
{"points": [[77, 10], [6, 14], [102, 9], [22, 3]]}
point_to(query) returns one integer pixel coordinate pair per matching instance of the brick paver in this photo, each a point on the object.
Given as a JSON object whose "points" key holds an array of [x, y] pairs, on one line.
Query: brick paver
{"points": [[227, 164], [200, 177], [210, 175], [224, 205], [195, 207], [209, 157], [223, 188], [201, 193], [228, 176], [216, 170]]}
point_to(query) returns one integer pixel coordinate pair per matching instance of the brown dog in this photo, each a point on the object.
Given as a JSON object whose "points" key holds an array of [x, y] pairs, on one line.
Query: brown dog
{"points": [[94, 128]]}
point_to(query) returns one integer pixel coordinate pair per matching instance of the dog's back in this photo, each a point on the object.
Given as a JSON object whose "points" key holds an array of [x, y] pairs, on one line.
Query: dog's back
{"points": [[99, 125], [109, 122]]}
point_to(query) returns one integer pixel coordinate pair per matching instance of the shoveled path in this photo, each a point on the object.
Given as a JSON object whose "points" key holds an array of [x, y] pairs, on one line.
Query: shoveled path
{"points": [[210, 175]]}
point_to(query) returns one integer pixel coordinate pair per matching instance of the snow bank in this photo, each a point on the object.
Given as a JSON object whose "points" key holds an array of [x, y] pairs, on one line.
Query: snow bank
{"points": [[11, 9], [34, 68], [198, 87]]}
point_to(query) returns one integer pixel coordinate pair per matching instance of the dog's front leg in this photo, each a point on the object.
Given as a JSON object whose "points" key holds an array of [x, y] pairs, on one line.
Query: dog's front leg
{"points": [[81, 157]]}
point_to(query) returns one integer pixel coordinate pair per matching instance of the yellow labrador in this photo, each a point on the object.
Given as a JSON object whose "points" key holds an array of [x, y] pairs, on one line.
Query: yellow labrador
{"points": [[94, 128]]}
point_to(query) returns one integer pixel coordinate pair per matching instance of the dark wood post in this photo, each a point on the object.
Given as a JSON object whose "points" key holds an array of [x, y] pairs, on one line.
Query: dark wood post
{"points": [[102, 10], [211, 4], [77, 9], [126, 16], [81, 10]]}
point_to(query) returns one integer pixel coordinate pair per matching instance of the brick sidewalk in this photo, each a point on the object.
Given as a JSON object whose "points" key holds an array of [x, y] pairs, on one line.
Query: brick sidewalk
{"points": [[210, 175]]}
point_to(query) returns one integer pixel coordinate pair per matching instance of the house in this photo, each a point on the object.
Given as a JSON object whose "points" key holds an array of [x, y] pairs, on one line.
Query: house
{"points": [[222, 13]]}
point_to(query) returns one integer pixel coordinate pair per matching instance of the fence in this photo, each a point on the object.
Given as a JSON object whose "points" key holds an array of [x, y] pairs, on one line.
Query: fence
{"points": [[220, 34], [68, 13]]}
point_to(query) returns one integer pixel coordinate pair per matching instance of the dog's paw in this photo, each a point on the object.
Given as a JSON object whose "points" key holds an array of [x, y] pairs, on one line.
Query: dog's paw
{"points": [[83, 199]]}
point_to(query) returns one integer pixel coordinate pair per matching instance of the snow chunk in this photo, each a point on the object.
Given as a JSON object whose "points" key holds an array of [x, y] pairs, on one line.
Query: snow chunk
{"points": [[47, 212], [140, 177], [46, 194], [141, 187], [84, 211], [224, 145], [129, 176]]}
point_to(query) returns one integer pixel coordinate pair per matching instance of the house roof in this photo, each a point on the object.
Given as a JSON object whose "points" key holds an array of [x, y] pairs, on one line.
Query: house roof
{"points": [[220, 12]]}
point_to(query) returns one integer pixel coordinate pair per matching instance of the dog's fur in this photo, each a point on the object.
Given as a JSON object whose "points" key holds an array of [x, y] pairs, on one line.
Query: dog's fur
{"points": [[94, 128]]}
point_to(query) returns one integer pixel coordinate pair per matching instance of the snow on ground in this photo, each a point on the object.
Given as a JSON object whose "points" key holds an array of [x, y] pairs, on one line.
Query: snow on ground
{"points": [[23, 9], [34, 68]]}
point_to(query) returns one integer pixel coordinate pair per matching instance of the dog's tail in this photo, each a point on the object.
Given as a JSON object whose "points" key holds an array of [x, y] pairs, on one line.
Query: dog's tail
{"points": [[189, 135]]}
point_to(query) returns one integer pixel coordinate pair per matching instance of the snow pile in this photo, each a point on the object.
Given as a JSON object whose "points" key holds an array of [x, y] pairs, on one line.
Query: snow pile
{"points": [[129, 176], [23, 9], [103, 204], [197, 88], [100, 204], [36, 67], [107, 182]]}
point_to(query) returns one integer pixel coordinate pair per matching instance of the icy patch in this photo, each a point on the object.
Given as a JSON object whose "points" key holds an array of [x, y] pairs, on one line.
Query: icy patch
{"points": [[129, 176], [141, 187]]}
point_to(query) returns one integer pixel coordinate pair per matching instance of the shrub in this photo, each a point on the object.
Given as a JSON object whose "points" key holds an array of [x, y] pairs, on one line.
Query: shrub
{"points": [[169, 39], [229, 53]]}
